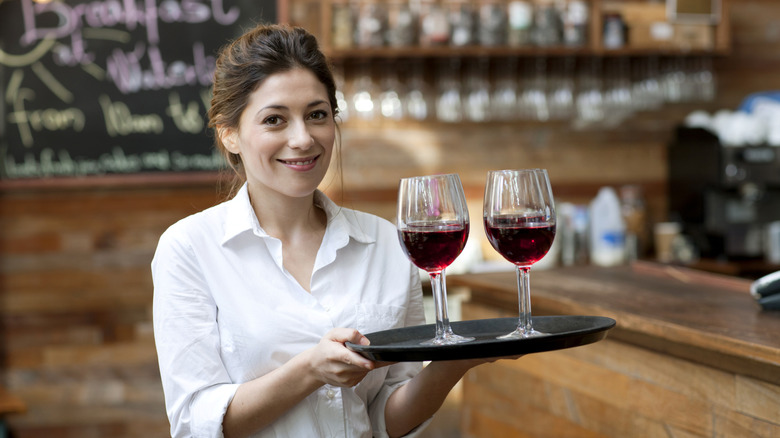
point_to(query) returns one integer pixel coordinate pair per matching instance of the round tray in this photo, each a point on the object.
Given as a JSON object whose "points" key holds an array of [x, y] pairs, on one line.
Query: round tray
{"points": [[404, 344]]}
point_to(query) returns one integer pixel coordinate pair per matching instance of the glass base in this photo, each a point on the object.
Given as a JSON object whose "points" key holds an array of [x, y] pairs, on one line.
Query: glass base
{"points": [[447, 339], [522, 334]]}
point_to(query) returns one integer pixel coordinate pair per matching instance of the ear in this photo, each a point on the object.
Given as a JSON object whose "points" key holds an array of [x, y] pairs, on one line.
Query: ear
{"points": [[229, 138]]}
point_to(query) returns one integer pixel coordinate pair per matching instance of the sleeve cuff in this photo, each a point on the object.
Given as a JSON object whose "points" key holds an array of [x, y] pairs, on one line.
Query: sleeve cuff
{"points": [[377, 414], [208, 410]]}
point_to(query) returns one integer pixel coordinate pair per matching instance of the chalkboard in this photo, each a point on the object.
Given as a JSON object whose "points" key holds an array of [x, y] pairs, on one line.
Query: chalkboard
{"points": [[112, 87]]}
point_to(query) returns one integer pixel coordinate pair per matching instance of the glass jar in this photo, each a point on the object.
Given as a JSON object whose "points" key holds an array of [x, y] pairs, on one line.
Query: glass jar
{"points": [[371, 24], [575, 23], [463, 23], [449, 106], [547, 25], [401, 24], [614, 31], [434, 24], [520, 15], [476, 107], [418, 102], [492, 23], [342, 24]]}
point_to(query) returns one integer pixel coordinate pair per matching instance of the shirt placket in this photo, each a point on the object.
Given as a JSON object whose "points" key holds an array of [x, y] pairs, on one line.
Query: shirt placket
{"points": [[331, 407]]}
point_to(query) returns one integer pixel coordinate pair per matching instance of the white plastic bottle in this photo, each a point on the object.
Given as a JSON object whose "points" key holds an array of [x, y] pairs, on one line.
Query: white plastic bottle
{"points": [[607, 229]]}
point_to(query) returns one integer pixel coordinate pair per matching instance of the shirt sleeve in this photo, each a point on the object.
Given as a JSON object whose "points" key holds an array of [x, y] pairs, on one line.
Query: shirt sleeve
{"points": [[195, 382], [400, 373]]}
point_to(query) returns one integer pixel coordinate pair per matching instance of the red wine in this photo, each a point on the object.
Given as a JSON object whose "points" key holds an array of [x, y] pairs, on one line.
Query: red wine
{"points": [[521, 240], [433, 248]]}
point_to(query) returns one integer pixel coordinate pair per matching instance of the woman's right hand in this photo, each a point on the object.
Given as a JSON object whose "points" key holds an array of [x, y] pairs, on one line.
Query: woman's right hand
{"points": [[259, 402], [334, 364]]}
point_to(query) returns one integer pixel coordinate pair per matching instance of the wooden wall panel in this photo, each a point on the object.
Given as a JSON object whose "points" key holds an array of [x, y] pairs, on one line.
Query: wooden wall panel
{"points": [[75, 288], [75, 307]]}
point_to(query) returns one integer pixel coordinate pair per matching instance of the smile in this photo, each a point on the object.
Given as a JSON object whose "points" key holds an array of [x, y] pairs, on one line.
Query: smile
{"points": [[298, 163]]}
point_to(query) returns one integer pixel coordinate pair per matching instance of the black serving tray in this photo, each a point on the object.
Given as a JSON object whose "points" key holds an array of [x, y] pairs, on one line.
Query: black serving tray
{"points": [[404, 344]]}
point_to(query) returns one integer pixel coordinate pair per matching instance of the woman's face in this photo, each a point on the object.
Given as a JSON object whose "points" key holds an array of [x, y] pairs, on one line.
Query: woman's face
{"points": [[285, 135]]}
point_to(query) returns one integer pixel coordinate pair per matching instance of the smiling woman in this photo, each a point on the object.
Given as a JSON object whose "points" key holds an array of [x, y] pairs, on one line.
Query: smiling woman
{"points": [[256, 297], [286, 136], [239, 69]]}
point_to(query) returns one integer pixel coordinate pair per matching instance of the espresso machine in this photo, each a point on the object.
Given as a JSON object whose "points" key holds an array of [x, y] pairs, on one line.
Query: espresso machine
{"points": [[724, 196]]}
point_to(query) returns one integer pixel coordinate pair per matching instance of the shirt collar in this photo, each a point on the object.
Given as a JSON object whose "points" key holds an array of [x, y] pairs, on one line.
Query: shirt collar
{"points": [[241, 218], [340, 218]]}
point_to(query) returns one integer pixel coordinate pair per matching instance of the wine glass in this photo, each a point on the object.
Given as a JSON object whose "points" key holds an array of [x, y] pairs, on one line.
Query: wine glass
{"points": [[519, 218], [433, 225]]}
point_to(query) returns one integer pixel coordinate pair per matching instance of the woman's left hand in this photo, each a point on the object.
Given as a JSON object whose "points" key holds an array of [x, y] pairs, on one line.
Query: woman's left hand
{"points": [[334, 364]]}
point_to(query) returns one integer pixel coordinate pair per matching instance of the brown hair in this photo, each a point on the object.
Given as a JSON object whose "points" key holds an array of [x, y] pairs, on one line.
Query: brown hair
{"points": [[246, 62]]}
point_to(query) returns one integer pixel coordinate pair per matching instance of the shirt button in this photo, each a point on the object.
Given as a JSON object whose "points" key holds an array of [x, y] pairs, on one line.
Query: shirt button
{"points": [[331, 393]]}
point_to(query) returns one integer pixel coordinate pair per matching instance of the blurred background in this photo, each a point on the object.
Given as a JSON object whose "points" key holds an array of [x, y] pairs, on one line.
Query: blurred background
{"points": [[668, 105]]}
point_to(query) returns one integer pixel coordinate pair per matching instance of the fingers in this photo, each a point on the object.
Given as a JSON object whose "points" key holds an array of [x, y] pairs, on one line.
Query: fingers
{"points": [[356, 359], [339, 365], [495, 359], [343, 335], [349, 357]]}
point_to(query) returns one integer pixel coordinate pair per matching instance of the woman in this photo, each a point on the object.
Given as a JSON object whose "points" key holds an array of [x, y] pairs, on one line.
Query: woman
{"points": [[256, 297]]}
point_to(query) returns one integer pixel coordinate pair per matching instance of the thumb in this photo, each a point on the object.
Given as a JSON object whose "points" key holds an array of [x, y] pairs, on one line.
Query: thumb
{"points": [[343, 335]]}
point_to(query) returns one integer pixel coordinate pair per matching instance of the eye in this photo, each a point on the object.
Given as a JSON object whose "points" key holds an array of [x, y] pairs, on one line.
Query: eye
{"points": [[272, 120], [318, 115]]}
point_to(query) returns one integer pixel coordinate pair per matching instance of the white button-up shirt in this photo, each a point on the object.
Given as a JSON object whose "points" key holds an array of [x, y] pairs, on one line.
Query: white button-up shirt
{"points": [[226, 312]]}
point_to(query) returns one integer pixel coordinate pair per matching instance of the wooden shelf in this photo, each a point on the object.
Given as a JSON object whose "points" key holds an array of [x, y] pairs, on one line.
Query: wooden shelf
{"points": [[450, 51], [497, 52], [317, 17]]}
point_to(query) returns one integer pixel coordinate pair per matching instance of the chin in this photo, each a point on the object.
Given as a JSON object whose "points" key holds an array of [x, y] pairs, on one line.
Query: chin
{"points": [[301, 192]]}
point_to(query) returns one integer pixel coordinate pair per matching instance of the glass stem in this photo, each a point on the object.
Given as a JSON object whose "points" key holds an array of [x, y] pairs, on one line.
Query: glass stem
{"points": [[524, 299], [440, 304]]}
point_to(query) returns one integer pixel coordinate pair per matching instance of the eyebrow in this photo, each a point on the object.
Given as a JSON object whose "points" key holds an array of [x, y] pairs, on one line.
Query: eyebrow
{"points": [[283, 107]]}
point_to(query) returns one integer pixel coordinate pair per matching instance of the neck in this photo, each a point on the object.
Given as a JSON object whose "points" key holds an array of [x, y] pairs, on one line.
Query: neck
{"points": [[282, 216]]}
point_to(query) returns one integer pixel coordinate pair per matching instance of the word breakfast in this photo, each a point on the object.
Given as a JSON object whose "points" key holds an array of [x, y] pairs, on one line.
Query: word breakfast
{"points": [[113, 13]]}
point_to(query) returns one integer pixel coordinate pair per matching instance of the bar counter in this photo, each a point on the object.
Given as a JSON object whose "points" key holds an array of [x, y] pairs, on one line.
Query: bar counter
{"points": [[692, 355], [9, 404]]}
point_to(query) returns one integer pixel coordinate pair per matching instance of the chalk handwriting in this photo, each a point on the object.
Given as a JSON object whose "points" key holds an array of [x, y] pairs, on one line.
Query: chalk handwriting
{"points": [[120, 121], [124, 48], [73, 54], [187, 119], [52, 83], [128, 74], [113, 13], [25, 59], [59, 162], [205, 97], [29, 121]]}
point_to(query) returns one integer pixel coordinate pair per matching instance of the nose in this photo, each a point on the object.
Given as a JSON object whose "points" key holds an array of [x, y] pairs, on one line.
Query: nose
{"points": [[300, 137]]}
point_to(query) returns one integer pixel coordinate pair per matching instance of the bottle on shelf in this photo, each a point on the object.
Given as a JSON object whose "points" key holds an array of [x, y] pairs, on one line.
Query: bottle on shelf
{"points": [[402, 23], [434, 24], [492, 29], [463, 23], [520, 17], [342, 24], [607, 229]]}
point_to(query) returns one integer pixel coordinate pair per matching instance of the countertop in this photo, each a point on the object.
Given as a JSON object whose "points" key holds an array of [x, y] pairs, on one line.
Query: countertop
{"points": [[702, 317]]}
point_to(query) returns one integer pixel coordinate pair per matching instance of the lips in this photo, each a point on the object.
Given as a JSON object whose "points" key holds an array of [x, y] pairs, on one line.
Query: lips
{"points": [[303, 163], [299, 162]]}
